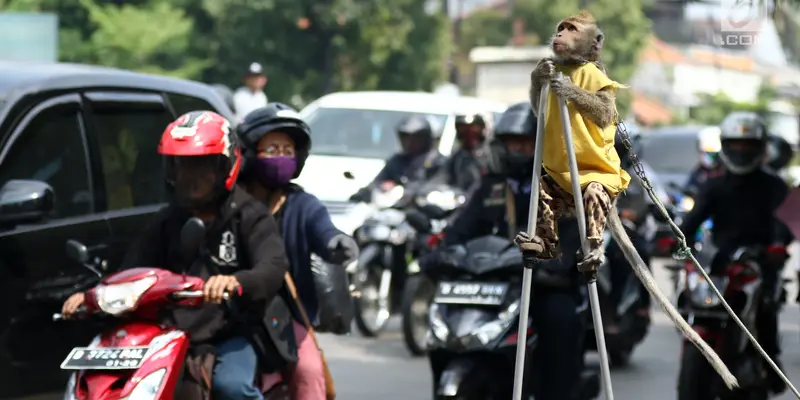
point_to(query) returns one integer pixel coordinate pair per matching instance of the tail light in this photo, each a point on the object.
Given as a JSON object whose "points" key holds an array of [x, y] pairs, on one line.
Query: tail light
{"points": [[665, 244], [434, 240]]}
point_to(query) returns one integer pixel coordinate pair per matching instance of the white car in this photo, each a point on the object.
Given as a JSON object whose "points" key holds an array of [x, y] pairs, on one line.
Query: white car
{"points": [[353, 134]]}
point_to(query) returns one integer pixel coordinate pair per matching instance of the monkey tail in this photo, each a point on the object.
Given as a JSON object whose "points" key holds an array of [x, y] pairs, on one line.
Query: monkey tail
{"points": [[644, 275]]}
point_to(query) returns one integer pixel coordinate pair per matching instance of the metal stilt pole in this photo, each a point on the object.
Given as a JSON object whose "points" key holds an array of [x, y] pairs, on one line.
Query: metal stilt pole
{"points": [[527, 274], [594, 300]]}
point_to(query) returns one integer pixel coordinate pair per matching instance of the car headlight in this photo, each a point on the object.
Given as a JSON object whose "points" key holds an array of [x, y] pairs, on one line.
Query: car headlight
{"points": [[118, 298], [148, 387], [438, 326]]}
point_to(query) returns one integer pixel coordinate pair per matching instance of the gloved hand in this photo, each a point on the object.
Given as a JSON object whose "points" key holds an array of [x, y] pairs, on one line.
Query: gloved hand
{"points": [[343, 249], [363, 195]]}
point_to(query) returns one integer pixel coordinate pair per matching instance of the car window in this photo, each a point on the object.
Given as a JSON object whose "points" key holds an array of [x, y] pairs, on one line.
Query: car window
{"points": [[51, 149], [360, 133], [184, 104], [128, 142], [668, 153]]}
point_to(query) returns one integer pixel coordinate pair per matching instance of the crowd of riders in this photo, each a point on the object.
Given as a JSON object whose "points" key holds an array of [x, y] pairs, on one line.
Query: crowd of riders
{"points": [[239, 179]]}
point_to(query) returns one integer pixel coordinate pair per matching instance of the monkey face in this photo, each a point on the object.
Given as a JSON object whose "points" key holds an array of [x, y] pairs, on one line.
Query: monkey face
{"points": [[577, 42]]}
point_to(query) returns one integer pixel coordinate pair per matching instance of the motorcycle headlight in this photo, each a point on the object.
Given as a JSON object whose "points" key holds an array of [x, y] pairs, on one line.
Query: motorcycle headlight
{"points": [[148, 388], [492, 330], [388, 198], [686, 204], [445, 200], [438, 326], [700, 292], [118, 298]]}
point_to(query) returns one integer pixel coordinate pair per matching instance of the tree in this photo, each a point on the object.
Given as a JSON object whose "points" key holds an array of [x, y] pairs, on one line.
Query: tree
{"points": [[715, 107]]}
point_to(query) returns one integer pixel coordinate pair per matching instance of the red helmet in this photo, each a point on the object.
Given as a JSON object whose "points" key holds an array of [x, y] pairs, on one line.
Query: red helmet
{"points": [[201, 157]]}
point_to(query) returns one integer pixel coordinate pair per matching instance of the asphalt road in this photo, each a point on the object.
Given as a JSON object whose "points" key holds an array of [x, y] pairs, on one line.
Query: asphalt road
{"points": [[365, 368]]}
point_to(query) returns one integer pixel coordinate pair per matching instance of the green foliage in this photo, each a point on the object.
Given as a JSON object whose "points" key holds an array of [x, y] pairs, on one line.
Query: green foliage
{"points": [[345, 45], [715, 107]]}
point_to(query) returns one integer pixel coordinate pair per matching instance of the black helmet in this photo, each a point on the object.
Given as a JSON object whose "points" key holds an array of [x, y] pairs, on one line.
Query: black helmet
{"points": [[416, 126], [470, 119], [744, 142], [779, 152], [517, 120], [275, 117]]}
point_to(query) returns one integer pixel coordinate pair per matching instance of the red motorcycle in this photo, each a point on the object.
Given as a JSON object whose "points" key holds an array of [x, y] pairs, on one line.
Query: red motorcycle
{"points": [[743, 287], [140, 358]]}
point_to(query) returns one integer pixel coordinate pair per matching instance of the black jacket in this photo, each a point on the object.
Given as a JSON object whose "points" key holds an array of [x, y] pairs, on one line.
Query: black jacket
{"points": [[257, 261], [462, 169], [402, 168], [742, 209]]}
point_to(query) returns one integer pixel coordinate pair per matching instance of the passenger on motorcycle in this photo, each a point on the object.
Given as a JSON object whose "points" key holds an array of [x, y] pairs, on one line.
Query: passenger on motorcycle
{"points": [[710, 165], [467, 165], [276, 143], [741, 203], [419, 161], [202, 161], [499, 206]]}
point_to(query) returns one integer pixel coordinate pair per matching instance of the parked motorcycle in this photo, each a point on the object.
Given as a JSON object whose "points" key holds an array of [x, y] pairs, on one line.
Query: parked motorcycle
{"points": [[378, 276], [138, 357], [429, 217], [474, 318], [625, 313], [742, 286]]}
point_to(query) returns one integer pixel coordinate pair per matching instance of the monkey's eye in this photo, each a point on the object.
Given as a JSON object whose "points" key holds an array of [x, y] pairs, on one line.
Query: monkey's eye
{"points": [[560, 28], [573, 28]]}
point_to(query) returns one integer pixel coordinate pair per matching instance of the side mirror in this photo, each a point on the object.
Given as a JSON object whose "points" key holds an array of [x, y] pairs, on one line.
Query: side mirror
{"points": [[193, 235], [77, 251], [24, 201], [419, 221]]}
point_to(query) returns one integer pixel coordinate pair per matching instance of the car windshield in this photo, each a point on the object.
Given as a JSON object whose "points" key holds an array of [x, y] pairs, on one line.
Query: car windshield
{"points": [[360, 133], [670, 152]]}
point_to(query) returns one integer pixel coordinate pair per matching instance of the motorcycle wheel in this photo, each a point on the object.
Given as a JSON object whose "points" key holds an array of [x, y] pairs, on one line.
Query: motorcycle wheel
{"points": [[417, 297], [370, 317], [695, 376]]}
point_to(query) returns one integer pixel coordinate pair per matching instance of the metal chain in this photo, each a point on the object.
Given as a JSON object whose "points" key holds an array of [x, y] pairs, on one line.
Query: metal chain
{"points": [[686, 253]]}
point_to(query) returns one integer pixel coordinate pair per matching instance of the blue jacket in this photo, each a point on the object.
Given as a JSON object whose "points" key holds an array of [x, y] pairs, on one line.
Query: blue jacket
{"points": [[306, 228]]}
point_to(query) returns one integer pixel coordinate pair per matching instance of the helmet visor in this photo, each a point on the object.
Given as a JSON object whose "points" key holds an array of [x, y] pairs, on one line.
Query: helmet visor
{"points": [[413, 143], [743, 153], [195, 179], [469, 135]]}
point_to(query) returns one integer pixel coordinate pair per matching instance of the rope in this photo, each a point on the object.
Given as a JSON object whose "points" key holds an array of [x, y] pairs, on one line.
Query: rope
{"points": [[685, 252]]}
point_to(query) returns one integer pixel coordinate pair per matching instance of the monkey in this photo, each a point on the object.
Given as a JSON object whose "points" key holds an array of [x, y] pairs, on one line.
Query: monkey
{"points": [[590, 95], [591, 98]]}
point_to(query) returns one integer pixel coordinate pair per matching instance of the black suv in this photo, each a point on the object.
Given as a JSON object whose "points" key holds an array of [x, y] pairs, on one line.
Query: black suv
{"points": [[78, 160]]}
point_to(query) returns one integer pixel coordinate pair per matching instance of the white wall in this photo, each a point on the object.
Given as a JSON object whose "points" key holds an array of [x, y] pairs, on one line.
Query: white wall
{"points": [[503, 82], [695, 79]]}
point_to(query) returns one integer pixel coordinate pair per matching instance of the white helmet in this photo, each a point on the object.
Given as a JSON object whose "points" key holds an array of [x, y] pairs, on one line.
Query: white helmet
{"points": [[743, 136]]}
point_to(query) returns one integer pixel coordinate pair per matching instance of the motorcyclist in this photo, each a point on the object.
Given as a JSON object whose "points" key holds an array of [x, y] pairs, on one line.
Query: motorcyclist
{"points": [[499, 205], [202, 160], [709, 166], [276, 143], [741, 203], [465, 167], [419, 160]]}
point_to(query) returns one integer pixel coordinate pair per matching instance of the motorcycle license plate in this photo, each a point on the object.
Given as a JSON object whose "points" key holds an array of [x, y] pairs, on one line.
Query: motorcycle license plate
{"points": [[105, 358], [481, 293]]}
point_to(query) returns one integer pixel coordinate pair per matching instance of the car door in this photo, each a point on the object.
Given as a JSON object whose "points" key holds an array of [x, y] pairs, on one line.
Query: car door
{"points": [[124, 129], [48, 144]]}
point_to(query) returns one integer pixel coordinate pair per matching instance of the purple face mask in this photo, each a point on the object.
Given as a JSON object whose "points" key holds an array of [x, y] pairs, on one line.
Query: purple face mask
{"points": [[275, 172]]}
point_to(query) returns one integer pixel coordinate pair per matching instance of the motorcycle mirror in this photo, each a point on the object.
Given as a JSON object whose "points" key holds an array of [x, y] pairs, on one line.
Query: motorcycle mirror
{"points": [[193, 235], [419, 222], [77, 251]]}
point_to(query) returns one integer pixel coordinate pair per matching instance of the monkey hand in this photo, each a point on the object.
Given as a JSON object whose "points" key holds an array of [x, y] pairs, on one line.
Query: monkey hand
{"points": [[543, 72], [562, 86], [591, 262]]}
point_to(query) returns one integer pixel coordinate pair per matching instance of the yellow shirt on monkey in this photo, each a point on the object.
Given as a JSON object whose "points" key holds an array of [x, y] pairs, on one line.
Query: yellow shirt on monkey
{"points": [[594, 146]]}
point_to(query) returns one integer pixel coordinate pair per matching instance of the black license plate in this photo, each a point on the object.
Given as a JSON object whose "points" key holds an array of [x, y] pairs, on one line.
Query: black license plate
{"points": [[481, 293], [105, 358]]}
